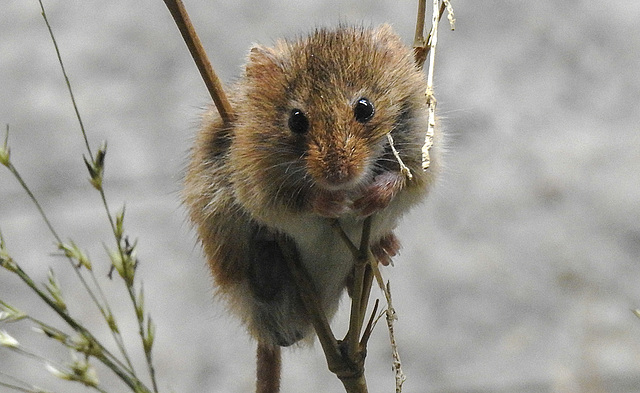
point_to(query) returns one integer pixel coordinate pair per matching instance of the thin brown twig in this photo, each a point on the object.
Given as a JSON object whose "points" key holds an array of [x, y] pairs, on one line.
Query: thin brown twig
{"points": [[366, 288], [370, 325], [211, 80], [335, 224], [418, 39], [269, 364], [421, 46], [345, 360], [357, 316], [311, 303], [391, 317]]}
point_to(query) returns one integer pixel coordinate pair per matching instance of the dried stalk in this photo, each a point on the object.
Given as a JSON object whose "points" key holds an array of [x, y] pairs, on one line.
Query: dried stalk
{"points": [[421, 45], [211, 80], [391, 317], [403, 168], [344, 358], [269, 363], [311, 303], [422, 48], [349, 369], [360, 294]]}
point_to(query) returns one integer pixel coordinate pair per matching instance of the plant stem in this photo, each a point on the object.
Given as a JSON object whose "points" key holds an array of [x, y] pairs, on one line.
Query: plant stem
{"points": [[147, 353], [391, 317], [418, 40], [421, 46], [105, 357], [26, 188], [18, 388], [76, 269], [360, 293], [312, 304], [66, 78], [118, 238], [345, 359], [269, 368], [211, 80], [106, 314]]}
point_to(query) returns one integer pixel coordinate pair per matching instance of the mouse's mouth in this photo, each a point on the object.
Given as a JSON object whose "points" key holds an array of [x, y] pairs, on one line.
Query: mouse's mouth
{"points": [[339, 169], [343, 175], [340, 182]]}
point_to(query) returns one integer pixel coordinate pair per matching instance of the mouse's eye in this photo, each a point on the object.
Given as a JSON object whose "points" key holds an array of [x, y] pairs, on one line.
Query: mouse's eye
{"points": [[363, 110], [298, 122]]}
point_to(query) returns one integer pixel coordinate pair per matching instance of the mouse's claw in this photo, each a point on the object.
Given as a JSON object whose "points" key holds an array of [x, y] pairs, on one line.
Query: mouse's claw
{"points": [[386, 248]]}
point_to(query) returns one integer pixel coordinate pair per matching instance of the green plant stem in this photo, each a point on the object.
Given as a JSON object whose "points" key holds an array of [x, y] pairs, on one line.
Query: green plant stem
{"points": [[41, 211], [106, 314], [106, 206], [77, 112], [18, 388], [30, 389], [26, 188], [147, 353], [76, 269], [105, 357], [66, 78]]}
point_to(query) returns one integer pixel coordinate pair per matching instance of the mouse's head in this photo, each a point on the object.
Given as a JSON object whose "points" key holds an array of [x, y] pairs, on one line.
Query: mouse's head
{"points": [[313, 115]]}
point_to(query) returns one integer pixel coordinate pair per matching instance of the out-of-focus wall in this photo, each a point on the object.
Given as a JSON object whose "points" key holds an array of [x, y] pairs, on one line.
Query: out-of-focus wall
{"points": [[517, 275]]}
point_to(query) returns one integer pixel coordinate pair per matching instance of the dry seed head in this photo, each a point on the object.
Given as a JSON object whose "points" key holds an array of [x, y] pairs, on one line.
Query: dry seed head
{"points": [[4, 150], [80, 371], [140, 305], [86, 345], [120, 223], [5, 259], [72, 251], [150, 336], [54, 290], [51, 333], [4, 155], [55, 372], [9, 313], [124, 263], [7, 341], [111, 321]]}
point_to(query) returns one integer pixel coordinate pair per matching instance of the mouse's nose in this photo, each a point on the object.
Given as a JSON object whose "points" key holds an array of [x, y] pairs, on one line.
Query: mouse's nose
{"points": [[337, 168]]}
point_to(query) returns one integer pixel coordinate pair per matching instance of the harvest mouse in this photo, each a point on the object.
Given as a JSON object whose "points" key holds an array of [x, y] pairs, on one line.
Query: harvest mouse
{"points": [[308, 145]]}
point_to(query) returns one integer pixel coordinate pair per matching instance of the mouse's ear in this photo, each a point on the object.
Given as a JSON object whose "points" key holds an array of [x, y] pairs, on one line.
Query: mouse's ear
{"points": [[263, 61], [384, 35], [384, 30]]}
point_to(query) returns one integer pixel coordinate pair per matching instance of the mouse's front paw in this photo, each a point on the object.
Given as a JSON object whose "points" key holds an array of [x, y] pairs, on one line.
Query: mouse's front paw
{"points": [[331, 204], [379, 193]]}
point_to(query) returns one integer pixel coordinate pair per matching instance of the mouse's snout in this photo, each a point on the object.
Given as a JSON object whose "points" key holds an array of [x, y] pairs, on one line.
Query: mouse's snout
{"points": [[338, 165]]}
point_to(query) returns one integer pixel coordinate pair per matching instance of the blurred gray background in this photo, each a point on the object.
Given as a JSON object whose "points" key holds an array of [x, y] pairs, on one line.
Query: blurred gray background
{"points": [[517, 275]]}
